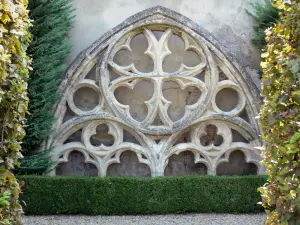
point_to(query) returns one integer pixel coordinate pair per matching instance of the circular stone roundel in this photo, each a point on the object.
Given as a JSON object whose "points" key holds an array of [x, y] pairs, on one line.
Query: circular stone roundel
{"points": [[202, 76]]}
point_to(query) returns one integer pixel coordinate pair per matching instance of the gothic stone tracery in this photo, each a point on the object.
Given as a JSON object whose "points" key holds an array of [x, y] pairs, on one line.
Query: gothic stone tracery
{"points": [[155, 96]]}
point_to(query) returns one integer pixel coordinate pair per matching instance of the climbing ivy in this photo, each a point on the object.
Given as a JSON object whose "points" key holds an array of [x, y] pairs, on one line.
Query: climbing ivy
{"points": [[280, 116], [14, 67]]}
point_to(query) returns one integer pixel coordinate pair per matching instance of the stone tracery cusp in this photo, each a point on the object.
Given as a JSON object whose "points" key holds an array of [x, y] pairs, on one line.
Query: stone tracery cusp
{"points": [[118, 118]]}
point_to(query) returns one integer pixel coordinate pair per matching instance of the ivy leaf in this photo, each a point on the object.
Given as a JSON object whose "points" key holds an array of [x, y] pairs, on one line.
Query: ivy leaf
{"points": [[295, 138], [265, 55], [282, 100], [293, 194], [263, 65]]}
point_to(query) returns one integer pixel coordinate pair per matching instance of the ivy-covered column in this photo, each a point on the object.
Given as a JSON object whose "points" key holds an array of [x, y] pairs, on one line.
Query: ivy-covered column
{"points": [[14, 66], [280, 116]]}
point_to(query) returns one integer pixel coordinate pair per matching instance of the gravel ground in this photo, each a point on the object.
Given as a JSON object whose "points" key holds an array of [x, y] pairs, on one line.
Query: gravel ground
{"points": [[187, 219]]}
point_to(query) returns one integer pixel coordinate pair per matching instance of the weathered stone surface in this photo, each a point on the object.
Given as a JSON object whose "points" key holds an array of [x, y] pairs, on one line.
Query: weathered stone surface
{"points": [[76, 166], [226, 20], [236, 165], [157, 86], [129, 166], [184, 164]]}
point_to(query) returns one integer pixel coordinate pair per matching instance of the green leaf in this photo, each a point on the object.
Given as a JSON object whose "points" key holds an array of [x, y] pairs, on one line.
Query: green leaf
{"points": [[295, 138], [263, 65]]}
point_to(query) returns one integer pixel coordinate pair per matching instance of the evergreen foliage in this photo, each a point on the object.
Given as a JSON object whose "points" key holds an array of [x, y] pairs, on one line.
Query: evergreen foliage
{"points": [[39, 163], [265, 15], [52, 20], [133, 195], [280, 116], [14, 69]]}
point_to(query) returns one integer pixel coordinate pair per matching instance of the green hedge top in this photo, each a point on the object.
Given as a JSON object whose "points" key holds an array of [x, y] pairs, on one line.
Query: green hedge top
{"points": [[129, 195]]}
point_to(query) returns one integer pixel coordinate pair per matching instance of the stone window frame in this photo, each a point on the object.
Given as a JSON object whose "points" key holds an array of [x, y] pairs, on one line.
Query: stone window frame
{"points": [[148, 151]]}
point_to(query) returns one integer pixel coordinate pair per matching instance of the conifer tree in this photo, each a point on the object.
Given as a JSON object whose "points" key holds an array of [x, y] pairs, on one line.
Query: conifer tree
{"points": [[265, 15], [52, 20]]}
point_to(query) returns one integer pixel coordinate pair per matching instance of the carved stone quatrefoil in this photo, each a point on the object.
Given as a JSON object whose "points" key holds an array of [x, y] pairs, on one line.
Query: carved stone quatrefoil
{"points": [[156, 95], [184, 77]]}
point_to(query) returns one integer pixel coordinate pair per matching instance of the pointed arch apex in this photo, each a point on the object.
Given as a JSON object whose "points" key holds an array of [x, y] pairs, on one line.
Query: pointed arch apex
{"points": [[201, 89]]}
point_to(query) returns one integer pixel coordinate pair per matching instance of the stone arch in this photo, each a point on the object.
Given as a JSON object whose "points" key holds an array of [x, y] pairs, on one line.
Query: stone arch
{"points": [[215, 90]]}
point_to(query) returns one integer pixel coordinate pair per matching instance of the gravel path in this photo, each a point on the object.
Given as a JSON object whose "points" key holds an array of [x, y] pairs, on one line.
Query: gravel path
{"points": [[187, 219]]}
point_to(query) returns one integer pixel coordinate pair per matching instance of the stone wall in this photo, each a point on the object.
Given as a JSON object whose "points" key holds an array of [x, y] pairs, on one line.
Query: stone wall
{"points": [[158, 95], [226, 20]]}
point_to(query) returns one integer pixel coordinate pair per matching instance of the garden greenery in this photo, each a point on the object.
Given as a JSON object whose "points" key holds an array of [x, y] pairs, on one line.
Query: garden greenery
{"points": [[132, 195], [14, 67], [280, 116], [265, 15], [52, 20]]}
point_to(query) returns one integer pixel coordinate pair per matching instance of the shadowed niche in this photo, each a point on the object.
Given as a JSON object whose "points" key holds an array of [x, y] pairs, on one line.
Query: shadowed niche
{"points": [[69, 114], [157, 121], [237, 165], [137, 56], [129, 166], [76, 166], [184, 164], [86, 98], [184, 138], [128, 137], [75, 137], [244, 115], [180, 98], [237, 137], [227, 99], [222, 76], [136, 98], [92, 73], [102, 136], [211, 136], [179, 56]]}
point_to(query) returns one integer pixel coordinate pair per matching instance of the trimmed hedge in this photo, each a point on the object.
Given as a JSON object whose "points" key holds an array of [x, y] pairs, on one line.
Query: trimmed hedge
{"points": [[130, 195]]}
